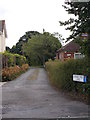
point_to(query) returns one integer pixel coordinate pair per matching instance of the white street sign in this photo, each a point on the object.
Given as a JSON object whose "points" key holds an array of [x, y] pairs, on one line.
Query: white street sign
{"points": [[84, 35], [79, 78]]}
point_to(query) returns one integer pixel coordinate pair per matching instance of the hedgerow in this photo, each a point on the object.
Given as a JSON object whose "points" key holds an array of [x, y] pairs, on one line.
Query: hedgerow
{"points": [[10, 59], [13, 65], [61, 75]]}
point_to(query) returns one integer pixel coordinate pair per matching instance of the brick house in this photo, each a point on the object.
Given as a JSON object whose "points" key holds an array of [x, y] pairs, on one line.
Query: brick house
{"points": [[69, 51], [3, 35]]}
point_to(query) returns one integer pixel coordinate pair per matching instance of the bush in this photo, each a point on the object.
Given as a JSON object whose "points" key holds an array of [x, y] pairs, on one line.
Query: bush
{"points": [[61, 74], [20, 60], [10, 59], [24, 67], [11, 73]]}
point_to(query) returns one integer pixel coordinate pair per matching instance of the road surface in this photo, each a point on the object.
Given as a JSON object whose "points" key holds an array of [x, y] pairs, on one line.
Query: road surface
{"points": [[32, 96]]}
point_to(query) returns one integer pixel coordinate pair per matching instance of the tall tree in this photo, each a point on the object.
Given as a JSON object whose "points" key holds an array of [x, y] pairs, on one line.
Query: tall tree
{"points": [[18, 48], [81, 23], [41, 47]]}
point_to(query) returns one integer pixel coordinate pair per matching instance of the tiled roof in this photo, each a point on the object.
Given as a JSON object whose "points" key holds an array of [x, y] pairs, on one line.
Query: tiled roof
{"points": [[3, 27], [70, 47]]}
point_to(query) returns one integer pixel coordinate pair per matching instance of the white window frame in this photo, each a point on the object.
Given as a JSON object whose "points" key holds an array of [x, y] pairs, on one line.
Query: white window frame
{"points": [[80, 55]]}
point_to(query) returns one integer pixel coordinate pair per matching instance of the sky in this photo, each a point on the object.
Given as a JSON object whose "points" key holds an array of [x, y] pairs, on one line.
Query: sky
{"points": [[32, 15]]}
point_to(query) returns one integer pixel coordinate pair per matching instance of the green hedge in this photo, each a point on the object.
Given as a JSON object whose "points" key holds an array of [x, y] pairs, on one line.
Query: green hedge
{"points": [[61, 74], [10, 58], [13, 59], [20, 60]]}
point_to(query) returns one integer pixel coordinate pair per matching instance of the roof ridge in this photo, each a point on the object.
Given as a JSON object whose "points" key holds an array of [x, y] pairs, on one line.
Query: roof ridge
{"points": [[71, 48]]}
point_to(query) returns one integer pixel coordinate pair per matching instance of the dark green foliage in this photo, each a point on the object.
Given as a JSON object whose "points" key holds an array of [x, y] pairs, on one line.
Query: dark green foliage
{"points": [[20, 60], [8, 49], [81, 24], [83, 44], [18, 48]]}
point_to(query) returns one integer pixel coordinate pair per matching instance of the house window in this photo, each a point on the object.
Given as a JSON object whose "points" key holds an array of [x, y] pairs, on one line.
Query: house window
{"points": [[68, 55], [78, 56]]}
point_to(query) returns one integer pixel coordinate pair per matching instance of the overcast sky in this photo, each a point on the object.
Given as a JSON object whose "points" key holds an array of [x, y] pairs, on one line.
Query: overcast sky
{"points": [[32, 15]]}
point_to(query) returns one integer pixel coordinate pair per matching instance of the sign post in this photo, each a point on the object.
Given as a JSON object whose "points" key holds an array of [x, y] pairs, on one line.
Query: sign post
{"points": [[84, 36]]}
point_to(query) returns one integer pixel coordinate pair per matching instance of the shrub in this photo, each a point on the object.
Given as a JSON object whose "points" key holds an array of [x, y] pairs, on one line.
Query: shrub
{"points": [[11, 73], [20, 60], [24, 67], [10, 59], [61, 74]]}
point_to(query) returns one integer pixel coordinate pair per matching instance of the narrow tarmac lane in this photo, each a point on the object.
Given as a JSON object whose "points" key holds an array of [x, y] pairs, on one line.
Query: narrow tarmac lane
{"points": [[32, 96]]}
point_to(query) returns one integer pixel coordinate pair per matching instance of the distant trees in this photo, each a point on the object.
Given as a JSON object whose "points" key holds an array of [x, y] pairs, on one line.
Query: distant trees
{"points": [[8, 49], [37, 47], [18, 48], [81, 23], [41, 47]]}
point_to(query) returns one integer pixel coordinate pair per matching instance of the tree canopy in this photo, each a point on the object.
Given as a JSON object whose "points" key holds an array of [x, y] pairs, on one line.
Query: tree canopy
{"points": [[41, 47], [81, 23], [18, 48]]}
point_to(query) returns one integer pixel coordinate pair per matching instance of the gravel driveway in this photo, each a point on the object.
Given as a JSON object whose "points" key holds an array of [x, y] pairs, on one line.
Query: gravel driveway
{"points": [[32, 96]]}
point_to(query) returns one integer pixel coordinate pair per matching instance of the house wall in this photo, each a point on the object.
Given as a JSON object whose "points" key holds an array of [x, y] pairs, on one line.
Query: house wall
{"points": [[68, 55], [60, 56], [65, 55], [2, 42]]}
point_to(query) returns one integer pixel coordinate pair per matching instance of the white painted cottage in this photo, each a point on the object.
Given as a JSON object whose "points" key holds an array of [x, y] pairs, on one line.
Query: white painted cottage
{"points": [[3, 35]]}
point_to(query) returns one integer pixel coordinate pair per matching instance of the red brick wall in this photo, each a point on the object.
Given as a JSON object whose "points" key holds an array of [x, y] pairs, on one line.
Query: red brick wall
{"points": [[68, 55], [65, 55]]}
